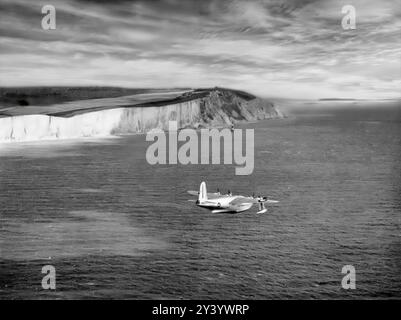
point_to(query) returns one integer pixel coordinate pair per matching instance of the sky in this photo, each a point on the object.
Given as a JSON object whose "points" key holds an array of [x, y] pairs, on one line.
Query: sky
{"points": [[288, 49]]}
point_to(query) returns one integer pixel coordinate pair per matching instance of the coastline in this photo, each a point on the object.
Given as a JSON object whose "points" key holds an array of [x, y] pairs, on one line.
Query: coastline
{"points": [[93, 118]]}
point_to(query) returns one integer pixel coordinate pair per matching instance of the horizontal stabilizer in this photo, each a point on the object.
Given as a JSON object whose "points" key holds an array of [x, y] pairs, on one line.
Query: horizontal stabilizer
{"points": [[193, 193]]}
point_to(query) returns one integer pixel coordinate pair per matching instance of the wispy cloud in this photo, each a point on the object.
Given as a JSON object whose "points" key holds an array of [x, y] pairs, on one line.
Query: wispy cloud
{"points": [[272, 48]]}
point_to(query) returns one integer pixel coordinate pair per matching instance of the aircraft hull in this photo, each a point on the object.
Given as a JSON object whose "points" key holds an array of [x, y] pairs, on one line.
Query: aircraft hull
{"points": [[241, 208]]}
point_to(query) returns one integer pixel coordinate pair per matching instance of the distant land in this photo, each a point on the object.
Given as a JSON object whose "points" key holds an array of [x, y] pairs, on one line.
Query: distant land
{"points": [[339, 99], [352, 99]]}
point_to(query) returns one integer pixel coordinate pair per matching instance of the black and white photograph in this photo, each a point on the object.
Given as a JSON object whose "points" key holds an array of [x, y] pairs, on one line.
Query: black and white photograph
{"points": [[185, 150]]}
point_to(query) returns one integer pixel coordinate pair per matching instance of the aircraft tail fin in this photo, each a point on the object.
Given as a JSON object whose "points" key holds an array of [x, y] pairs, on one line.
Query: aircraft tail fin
{"points": [[202, 192]]}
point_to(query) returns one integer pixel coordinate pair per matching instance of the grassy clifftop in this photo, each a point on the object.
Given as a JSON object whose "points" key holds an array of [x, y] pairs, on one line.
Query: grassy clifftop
{"points": [[45, 96]]}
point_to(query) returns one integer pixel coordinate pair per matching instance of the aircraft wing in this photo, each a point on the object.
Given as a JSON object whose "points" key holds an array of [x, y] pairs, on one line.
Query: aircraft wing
{"points": [[242, 200]]}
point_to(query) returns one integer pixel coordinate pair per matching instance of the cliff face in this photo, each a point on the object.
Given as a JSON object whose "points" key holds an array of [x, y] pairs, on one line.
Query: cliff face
{"points": [[227, 107], [213, 108]]}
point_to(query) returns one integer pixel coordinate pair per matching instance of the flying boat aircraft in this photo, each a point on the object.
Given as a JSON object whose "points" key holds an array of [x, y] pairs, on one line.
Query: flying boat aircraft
{"points": [[228, 203]]}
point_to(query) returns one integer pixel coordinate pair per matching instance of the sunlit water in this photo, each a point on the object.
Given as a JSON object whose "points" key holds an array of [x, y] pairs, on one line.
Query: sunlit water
{"points": [[114, 226]]}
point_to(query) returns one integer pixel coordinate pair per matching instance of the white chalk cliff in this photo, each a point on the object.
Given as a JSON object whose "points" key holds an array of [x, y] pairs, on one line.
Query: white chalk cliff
{"points": [[216, 107]]}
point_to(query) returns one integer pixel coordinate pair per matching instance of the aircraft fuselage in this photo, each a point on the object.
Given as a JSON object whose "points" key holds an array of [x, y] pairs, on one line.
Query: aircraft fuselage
{"points": [[222, 205]]}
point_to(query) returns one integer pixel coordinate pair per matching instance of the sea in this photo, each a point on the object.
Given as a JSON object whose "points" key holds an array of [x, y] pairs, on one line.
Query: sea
{"points": [[114, 226]]}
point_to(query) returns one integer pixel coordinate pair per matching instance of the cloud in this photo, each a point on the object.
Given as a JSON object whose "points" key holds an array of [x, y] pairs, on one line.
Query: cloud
{"points": [[286, 48]]}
